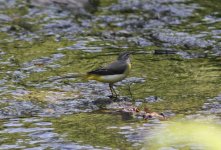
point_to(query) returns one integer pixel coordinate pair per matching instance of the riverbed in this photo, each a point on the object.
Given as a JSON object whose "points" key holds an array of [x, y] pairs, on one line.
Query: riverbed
{"points": [[176, 67]]}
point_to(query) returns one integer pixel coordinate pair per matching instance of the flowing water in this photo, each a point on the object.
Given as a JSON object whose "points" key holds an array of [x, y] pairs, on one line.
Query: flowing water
{"points": [[176, 69]]}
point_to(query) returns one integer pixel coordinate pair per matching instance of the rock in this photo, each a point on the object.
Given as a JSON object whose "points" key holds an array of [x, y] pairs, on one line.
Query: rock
{"points": [[152, 99], [172, 38], [5, 18], [74, 6], [19, 109], [218, 98], [137, 103], [132, 80]]}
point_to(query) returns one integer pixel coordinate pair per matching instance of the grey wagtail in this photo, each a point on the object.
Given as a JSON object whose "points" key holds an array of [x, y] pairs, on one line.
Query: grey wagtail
{"points": [[112, 73]]}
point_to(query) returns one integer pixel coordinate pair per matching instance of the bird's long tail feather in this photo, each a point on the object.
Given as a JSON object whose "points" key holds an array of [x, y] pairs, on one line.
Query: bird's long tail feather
{"points": [[69, 76]]}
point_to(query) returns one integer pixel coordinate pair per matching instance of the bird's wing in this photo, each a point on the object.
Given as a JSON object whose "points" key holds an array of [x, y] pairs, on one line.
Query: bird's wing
{"points": [[112, 69]]}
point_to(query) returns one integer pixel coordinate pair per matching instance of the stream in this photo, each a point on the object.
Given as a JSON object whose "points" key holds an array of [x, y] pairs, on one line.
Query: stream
{"points": [[176, 70]]}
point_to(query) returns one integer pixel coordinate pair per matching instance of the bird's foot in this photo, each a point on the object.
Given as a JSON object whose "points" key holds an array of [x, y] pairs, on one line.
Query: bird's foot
{"points": [[114, 98]]}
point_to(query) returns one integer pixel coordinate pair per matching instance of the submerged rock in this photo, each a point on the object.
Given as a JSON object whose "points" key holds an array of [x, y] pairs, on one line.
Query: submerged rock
{"points": [[76, 6], [26, 108], [152, 99], [5, 18], [19, 109], [212, 107], [181, 39]]}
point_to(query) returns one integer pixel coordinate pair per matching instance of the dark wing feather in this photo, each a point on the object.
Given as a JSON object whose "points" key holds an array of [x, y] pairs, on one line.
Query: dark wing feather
{"points": [[118, 67]]}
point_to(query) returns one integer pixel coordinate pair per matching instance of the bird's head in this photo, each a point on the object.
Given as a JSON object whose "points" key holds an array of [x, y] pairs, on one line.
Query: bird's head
{"points": [[124, 56]]}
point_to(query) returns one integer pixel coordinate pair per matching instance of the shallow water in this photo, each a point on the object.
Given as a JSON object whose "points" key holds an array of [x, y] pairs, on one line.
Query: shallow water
{"points": [[175, 70], [79, 131]]}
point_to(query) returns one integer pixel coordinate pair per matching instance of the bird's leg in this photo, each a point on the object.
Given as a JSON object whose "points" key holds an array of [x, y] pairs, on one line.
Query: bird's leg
{"points": [[111, 89], [113, 92]]}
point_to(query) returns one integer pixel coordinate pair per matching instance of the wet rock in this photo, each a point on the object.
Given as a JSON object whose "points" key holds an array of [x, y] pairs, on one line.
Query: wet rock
{"points": [[102, 102], [26, 27], [178, 7], [212, 106], [83, 45], [69, 107], [14, 123], [152, 99], [217, 51], [163, 52], [60, 27], [26, 108], [211, 19], [40, 65], [76, 6], [161, 10], [140, 41], [9, 3], [11, 147], [19, 92], [119, 105], [4, 18], [218, 98], [19, 109], [181, 39], [59, 24], [2, 81], [132, 80], [18, 75], [123, 33], [185, 55]]}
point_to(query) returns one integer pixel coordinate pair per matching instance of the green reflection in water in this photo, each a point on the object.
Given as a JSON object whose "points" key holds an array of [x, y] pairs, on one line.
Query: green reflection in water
{"points": [[9, 138], [93, 129], [183, 84]]}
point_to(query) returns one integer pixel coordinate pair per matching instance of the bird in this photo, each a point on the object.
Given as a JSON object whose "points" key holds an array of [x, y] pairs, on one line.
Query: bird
{"points": [[112, 73]]}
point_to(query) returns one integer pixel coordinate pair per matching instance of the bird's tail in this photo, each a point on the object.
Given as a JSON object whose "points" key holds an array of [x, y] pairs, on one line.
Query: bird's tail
{"points": [[69, 76]]}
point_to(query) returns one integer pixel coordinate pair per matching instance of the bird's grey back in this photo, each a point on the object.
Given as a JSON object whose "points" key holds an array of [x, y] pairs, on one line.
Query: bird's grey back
{"points": [[118, 67]]}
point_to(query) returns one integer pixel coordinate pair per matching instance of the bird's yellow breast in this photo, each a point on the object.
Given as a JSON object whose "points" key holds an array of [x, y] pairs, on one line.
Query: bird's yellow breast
{"points": [[129, 66]]}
